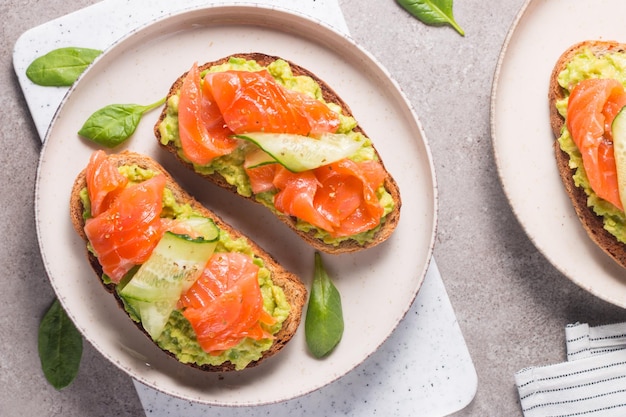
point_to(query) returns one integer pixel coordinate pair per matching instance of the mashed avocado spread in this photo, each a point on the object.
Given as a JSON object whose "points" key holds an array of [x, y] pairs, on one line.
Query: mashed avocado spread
{"points": [[231, 166], [178, 336], [586, 65]]}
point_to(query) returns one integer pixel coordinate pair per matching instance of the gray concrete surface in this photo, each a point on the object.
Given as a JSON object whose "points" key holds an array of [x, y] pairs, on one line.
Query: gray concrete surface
{"points": [[511, 303]]}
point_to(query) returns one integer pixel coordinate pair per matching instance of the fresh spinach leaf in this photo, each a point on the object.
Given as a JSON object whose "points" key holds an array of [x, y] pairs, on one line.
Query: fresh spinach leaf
{"points": [[432, 12], [323, 325], [61, 67], [113, 124], [60, 347]]}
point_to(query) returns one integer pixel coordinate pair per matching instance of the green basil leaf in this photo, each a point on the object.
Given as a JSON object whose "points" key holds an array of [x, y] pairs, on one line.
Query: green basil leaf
{"points": [[323, 325], [61, 67], [113, 124], [60, 347], [432, 12]]}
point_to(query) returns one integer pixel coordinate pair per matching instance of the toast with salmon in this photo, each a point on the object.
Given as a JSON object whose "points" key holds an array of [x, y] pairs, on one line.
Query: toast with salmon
{"points": [[276, 134], [199, 289], [585, 94]]}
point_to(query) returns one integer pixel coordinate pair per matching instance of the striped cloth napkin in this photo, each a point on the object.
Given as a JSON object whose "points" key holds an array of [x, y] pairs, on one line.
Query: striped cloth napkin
{"points": [[592, 383]]}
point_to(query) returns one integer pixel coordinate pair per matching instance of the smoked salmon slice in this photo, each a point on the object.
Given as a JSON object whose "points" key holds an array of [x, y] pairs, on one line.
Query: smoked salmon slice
{"points": [[262, 177], [339, 198], [225, 304], [255, 102], [348, 195], [296, 195], [203, 134], [104, 182], [591, 108], [125, 234]]}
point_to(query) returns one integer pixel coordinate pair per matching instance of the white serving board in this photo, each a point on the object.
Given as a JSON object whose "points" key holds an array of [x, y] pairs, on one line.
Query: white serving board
{"points": [[423, 369]]}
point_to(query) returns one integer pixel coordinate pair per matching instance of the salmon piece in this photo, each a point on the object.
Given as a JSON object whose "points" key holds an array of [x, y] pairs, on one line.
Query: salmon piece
{"points": [[126, 233], [296, 197], [262, 177], [255, 102], [203, 133], [592, 106], [104, 182], [348, 195], [610, 110], [339, 198], [225, 304]]}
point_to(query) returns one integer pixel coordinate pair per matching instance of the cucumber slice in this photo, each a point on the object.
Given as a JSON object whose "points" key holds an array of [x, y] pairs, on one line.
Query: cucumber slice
{"points": [[618, 130], [175, 264], [300, 153], [202, 226]]}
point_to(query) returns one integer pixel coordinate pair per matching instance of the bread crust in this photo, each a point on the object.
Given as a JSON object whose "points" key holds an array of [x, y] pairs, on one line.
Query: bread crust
{"points": [[294, 289], [592, 223], [329, 95]]}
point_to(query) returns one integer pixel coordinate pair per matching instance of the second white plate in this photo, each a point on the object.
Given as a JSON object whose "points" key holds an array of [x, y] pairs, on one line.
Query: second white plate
{"points": [[523, 141]]}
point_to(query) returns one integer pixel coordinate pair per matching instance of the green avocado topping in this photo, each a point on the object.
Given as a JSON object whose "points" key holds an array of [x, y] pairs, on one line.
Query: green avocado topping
{"points": [[231, 166], [587, 65], [178, 336]]}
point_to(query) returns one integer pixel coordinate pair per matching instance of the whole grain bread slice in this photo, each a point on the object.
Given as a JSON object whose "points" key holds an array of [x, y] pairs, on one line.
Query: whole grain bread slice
{"points": [[389, 223], [294, 289], [592, 223]]}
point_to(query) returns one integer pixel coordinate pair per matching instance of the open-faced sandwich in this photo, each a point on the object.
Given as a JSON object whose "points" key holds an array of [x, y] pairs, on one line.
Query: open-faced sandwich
{"points": [[202, 291], [272, 132], [586, 98]]}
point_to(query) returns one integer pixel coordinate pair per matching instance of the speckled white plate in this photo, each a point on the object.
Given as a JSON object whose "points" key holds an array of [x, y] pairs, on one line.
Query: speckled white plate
{"points": [[523, 140], [377, 286]]}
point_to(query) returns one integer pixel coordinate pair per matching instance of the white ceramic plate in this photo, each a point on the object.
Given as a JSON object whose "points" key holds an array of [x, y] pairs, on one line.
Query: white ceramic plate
{"points": [[377, 286], [523, 141]]}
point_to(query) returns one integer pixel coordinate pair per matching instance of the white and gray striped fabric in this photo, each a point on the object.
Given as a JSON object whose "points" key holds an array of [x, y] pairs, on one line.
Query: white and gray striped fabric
{"points": [[592, 383]]}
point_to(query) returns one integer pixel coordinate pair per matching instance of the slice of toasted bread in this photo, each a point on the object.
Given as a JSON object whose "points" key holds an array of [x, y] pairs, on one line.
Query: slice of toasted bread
{"points": [[592, 223], [293, 288], [389, 222]]}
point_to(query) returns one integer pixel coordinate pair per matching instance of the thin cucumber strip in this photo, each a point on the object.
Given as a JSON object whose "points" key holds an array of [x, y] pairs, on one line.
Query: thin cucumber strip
{"points": [[175, 264], [301, 153]]}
